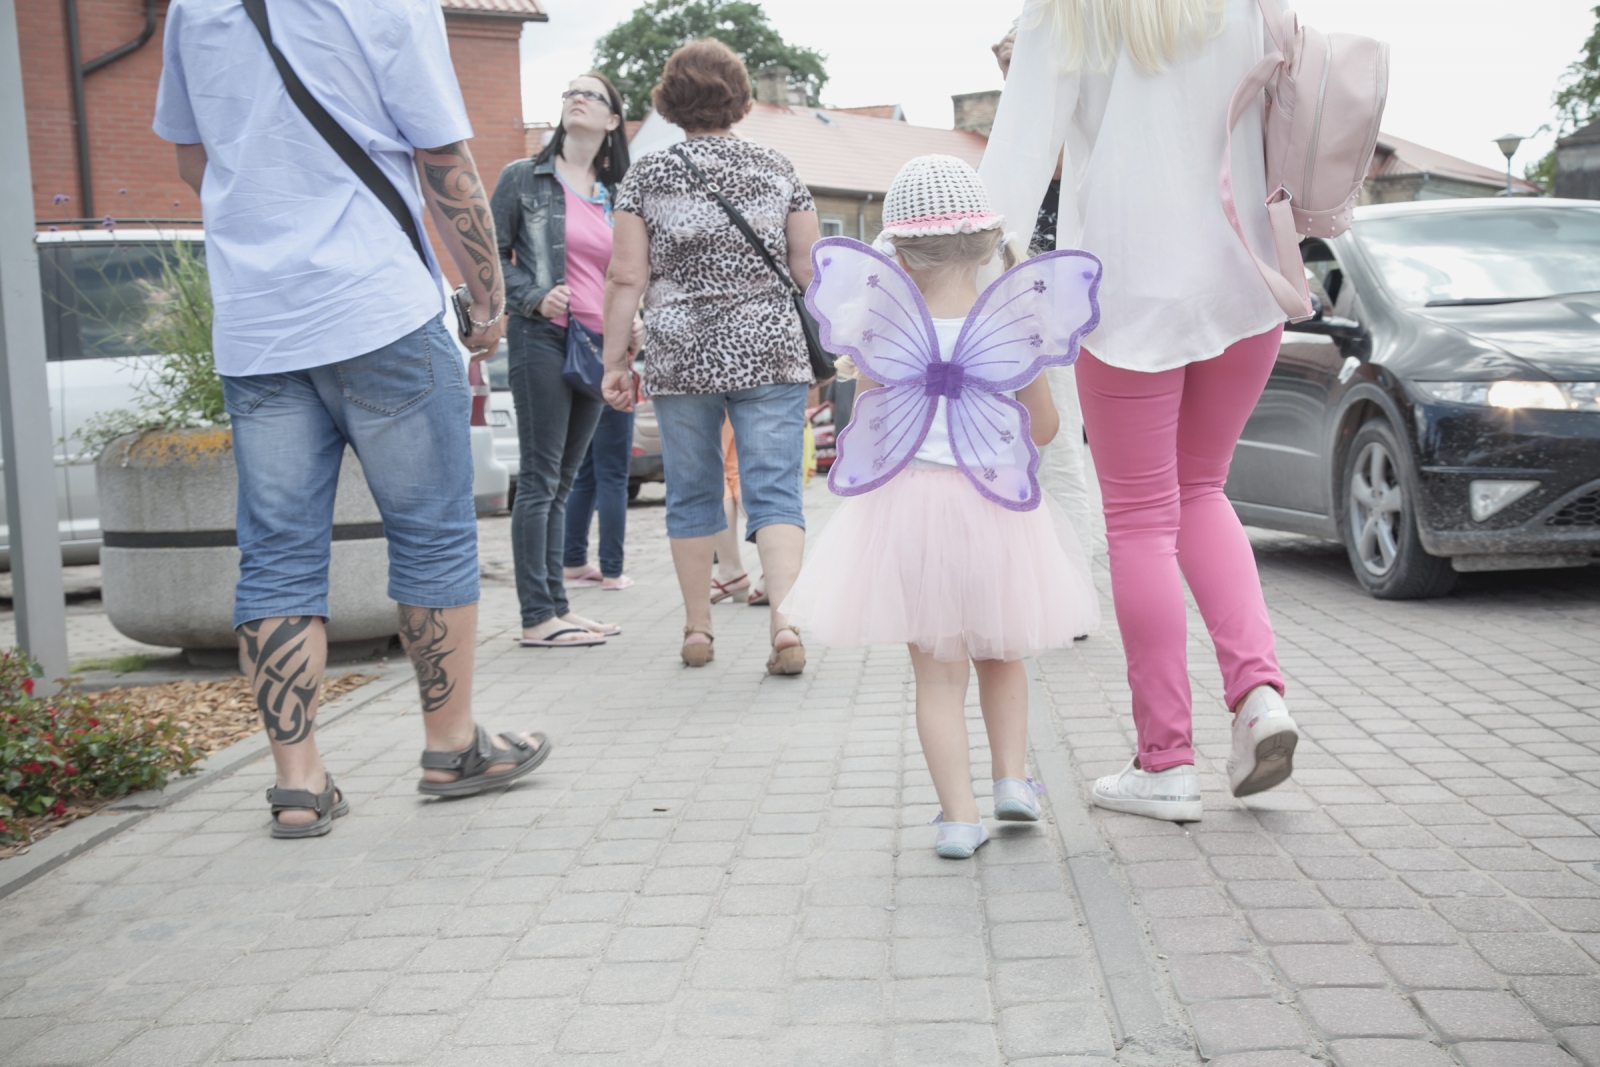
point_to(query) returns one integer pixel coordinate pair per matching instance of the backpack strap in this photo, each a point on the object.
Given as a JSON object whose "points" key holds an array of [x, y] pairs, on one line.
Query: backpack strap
{"points": [[1288, 289], [371, 175]]}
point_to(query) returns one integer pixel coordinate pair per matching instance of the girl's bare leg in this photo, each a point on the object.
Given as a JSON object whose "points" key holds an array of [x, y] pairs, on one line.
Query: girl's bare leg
{"points": [[1003, 695], [942, 728], [730, 560]]}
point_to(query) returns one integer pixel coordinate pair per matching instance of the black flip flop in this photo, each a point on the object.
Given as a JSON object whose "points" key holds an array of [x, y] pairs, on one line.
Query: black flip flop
{"points": [[549, 640]]}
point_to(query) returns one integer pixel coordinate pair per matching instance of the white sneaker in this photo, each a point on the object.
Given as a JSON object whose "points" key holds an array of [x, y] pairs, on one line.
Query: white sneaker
{"points": [[1264, 736], [1172, 794]]}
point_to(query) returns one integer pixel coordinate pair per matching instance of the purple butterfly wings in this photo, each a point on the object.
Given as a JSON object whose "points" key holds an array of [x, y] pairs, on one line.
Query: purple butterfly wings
{"points": [[1032, 317]]}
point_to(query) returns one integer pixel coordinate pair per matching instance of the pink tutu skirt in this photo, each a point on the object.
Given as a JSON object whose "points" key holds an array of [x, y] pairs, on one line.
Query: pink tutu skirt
{"points": [[925, 560]]}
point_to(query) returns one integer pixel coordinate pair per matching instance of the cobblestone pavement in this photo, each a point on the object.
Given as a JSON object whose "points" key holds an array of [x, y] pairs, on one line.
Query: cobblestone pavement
{"points": [[718, 867]]}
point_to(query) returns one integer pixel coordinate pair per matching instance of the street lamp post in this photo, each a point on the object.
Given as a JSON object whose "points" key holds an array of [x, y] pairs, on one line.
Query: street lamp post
{"points": [[1508, 144]]}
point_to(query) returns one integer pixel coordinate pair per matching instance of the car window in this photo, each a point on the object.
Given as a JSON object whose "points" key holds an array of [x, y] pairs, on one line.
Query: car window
{"points": [[500, 367], [1485, 257], [105, 296]]}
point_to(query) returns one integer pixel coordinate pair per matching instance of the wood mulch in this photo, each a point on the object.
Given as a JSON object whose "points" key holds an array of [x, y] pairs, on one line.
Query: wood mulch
{"points": [[213, 714]]}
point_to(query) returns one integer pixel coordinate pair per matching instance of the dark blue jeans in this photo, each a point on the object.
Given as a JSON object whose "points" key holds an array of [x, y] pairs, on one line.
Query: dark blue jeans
{"points": [[602, 485], [554, 425]]}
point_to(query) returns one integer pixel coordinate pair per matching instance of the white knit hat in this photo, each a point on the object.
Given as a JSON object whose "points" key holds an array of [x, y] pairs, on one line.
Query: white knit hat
{"points": [[937, 194]]}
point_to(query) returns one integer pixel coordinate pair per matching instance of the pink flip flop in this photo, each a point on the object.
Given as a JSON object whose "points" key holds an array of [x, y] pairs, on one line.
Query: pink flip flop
{"points": [[611, 585], [592, 576]]}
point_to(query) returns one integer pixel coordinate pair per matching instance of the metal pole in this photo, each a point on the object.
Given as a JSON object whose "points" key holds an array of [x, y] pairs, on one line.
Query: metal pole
{"points": [[80, 109], [1508, 175], [27, 444]]}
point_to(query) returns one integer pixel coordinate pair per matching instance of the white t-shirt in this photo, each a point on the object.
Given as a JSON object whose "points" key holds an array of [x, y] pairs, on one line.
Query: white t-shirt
{"points": [[307, 266], [936, 446], [1139, 187]]}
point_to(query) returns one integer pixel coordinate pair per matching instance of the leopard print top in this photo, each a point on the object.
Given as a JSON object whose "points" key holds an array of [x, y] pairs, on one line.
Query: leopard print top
{"points": [[716, 318]]}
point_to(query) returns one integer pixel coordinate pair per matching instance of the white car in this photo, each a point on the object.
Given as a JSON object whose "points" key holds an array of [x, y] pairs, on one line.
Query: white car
{"points": [[97, 288], [644, 465]]}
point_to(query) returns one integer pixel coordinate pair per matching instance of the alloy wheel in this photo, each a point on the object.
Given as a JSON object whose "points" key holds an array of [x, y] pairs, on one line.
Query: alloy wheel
{"points": [[1376, 509]]}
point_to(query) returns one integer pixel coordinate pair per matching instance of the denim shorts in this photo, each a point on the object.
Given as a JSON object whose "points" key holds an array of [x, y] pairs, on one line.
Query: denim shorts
{"points": [[405, 409], [768, 434]]}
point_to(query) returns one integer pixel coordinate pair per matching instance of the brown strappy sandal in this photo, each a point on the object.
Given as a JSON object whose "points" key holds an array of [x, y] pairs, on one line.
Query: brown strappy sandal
{"points": [[697, 655], [791, 660]]}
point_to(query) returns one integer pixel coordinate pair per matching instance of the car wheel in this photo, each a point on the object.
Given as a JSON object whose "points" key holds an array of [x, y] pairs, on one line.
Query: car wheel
{"points": [[633, 488], [1380, 521]]}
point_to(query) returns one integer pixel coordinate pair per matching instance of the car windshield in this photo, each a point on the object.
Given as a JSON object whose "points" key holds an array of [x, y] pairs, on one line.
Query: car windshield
{"points": [[1486, 257]]}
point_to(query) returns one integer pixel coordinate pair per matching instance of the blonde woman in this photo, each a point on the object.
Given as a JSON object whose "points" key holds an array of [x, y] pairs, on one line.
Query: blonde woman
{"points": [[1132, 96]]}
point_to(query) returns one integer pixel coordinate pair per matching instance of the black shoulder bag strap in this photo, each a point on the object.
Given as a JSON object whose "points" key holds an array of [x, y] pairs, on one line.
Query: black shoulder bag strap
{"points": [[371, 175], [821, 359], [734, 216]]}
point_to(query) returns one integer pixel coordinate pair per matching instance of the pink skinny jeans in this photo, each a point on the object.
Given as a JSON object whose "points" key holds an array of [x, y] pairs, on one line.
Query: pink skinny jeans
{"points": [[1162, 443]]}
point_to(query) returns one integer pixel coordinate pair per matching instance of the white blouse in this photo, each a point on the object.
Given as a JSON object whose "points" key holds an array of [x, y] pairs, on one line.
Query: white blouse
{"points": [[1139, 187]]}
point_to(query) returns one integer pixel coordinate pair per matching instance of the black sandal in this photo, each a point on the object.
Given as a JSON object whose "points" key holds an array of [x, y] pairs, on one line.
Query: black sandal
{"points": [[471, 764], [328, 804]]}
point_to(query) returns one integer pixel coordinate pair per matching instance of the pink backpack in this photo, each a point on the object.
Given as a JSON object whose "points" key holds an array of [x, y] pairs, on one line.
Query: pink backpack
{"points": [[1325, 96]]}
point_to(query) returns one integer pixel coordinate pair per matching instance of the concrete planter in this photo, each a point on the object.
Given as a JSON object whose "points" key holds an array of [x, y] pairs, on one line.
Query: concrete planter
{"points": [[170, 558]]}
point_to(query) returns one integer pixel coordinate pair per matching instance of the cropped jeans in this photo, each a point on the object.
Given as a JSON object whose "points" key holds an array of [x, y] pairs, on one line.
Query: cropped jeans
{"points": [[405, 409], [554, 425], [1162, 443]]}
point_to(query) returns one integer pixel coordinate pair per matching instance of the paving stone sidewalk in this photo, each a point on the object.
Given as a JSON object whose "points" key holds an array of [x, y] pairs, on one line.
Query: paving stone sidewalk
{"points": [[1426, 891], [718, 867], [714, 867]]}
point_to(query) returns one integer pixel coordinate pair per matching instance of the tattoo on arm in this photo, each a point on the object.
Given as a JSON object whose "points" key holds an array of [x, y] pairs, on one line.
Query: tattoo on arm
{"points": [[282, 676], [425, 637], [457, 194]]}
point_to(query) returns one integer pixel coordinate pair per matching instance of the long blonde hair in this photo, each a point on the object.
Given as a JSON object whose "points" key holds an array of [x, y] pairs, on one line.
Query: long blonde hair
{"points": [[1154, 32]]}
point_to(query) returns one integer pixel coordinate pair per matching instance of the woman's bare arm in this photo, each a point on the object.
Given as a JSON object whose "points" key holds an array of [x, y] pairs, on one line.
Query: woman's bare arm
{"points": [[626, 278], [802, 232], [1043, 419]]}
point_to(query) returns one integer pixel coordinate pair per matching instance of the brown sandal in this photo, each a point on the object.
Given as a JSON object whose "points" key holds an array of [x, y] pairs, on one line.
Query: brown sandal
{"points": [[697, 655], [791, 660]]}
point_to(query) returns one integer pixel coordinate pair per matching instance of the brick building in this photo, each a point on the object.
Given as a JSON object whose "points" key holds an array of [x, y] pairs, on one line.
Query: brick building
{"points": [[132, 172]]}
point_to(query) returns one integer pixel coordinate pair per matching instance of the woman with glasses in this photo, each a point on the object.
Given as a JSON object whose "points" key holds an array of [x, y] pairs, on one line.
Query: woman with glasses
{"points": [[553, 217]]}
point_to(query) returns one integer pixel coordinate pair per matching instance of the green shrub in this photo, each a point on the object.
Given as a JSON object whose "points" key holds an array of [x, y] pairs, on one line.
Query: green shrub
{"points": [[73, 747], [183, 391]]}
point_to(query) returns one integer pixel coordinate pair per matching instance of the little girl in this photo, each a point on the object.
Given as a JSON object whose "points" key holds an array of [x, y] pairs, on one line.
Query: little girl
{"points": [[942, 543]]}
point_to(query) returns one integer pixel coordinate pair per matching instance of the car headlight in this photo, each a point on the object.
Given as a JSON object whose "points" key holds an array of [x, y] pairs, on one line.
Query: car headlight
{"points": [[1544, 396]]}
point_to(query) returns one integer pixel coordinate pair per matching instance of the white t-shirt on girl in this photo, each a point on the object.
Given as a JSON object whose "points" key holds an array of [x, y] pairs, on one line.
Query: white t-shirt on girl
{"points": [[936, 446]]}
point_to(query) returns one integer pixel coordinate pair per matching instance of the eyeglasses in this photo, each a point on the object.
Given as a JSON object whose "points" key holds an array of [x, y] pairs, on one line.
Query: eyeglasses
{"points": [[587, 94]]}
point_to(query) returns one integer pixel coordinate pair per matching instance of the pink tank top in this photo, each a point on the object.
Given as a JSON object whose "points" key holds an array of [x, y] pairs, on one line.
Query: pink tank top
{"points": [[588, 255]]}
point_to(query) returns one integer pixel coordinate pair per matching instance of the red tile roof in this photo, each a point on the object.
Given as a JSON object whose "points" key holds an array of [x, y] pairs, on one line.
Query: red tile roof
{"points": [[525, 10], [875, 111], [848, 151], [1397, 157]]}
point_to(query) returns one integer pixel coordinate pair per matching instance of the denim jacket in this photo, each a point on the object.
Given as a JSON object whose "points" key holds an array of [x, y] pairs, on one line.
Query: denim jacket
{"points": [[530, 219]]}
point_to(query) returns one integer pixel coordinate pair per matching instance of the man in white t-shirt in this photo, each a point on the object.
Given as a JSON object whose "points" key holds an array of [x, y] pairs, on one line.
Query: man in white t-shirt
{"points": [[328, 331]]}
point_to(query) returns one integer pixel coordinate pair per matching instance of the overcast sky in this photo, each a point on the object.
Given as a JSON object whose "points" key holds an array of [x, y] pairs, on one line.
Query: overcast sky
{"points": [[1463, 72]]}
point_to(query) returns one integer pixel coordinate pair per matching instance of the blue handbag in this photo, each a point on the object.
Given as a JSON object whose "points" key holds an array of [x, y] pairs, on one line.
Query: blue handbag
{"points": [[584, 367]]}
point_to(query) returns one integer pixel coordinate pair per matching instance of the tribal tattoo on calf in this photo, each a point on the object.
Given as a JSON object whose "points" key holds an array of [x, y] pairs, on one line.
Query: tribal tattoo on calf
{"points": [[462, 199], [282, 676], [424, 634]]}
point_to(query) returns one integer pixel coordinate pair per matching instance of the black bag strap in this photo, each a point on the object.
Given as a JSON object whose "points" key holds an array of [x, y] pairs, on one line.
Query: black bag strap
{"points": [[733, 214], [371, 175]]}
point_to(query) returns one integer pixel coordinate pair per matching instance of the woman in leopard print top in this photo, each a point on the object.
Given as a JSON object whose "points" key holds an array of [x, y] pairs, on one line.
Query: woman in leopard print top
{"points": [[722, 337]]}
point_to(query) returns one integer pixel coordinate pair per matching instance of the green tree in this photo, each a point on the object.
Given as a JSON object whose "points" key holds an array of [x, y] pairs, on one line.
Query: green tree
{"points": [[1577, 103], [633, 54]]}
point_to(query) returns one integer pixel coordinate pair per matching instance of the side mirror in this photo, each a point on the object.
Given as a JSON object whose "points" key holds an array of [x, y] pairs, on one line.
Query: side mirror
{"points": [[1330, 325]]}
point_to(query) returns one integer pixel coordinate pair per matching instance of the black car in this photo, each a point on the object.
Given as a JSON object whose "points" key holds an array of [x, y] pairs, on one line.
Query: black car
{"points": [[1442, 411]]}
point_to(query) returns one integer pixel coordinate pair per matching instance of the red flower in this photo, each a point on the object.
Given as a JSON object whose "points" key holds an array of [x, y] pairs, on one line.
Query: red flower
{"points": [[94, 724], [27, 687], [32, 768], [50, 737], [60, 808]]}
